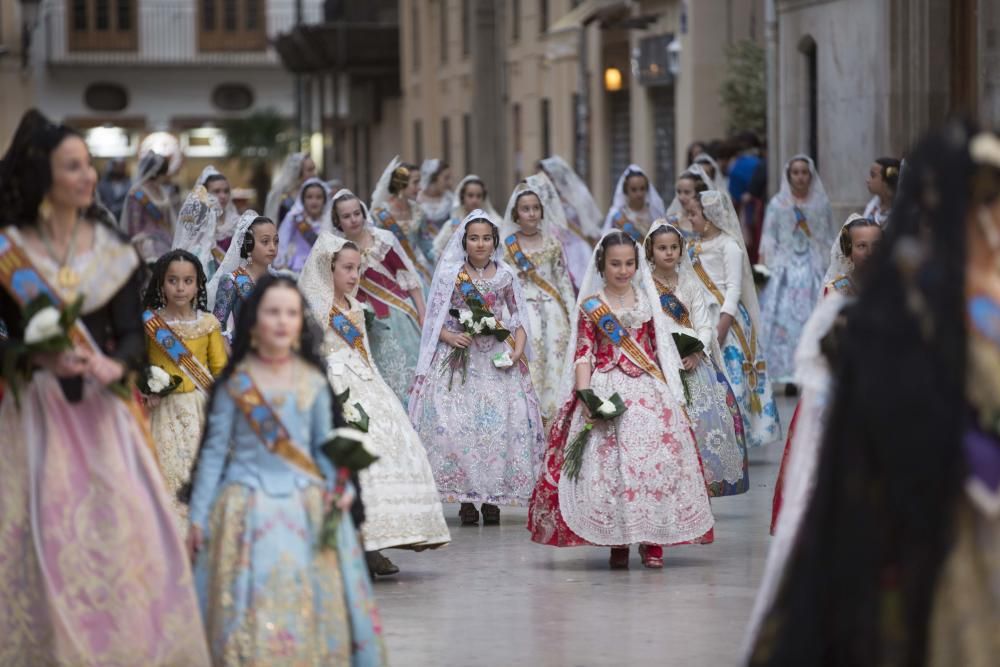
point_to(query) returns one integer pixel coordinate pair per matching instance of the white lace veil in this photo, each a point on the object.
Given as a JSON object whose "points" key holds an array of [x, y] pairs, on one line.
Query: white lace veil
{"points": [[227, 222], [575, 192], [817, 193], [380, 196], [717, 183], [458, 212], [443, 285], [719, 211], [427, 169], [840, 264], [620, 199], [232, 260], [688, 282], [667, 356], [316, 279], [676, 210], [195, 229], [553, 218], [284, 181]]}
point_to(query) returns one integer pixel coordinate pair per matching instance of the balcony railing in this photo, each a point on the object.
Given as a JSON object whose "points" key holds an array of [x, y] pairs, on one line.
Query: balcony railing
{"points": [[171, 32]]}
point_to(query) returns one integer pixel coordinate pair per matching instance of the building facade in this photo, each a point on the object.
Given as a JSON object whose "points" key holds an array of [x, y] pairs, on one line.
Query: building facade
{"points": [[859, 79], [492, 87], [15, 80], [121, 69]]}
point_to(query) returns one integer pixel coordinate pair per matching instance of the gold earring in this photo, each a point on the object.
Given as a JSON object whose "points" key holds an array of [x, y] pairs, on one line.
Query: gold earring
{"points": [[253, 340], [296, 345], [45, 209]]}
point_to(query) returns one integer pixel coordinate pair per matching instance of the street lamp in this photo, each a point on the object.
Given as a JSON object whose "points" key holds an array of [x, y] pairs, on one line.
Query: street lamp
{"points": [[30, 10]]}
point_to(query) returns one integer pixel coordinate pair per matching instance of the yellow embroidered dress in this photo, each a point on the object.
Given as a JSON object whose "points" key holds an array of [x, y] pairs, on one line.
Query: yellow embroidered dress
{"points": [[178, 420]]}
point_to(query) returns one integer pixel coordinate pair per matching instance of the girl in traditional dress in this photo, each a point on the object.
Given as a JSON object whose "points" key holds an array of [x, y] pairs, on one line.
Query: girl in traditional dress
{"points": [[394, 209], [92, 567], [691, 183], [882, 181], [402, 507], [148, 214], [297, 169], [711, 405], [720, 260], [388, 284], [270, 592], [532, 247], [640, 480], [481, 424], [635, 205], [253, 248], [898, 559], [716, 179], [471, 194], [795, 242], [218, 186], [185, 340], [583, 218], [298, 231], [853, 248], [436, 201]]}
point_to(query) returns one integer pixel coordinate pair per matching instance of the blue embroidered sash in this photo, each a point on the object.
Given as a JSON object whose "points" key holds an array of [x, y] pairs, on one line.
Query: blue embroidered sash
{"points": [[243, 281], [152, 210], [264, 421], [673, 306], [527, 267], [342, 324], [621, 222], [172, 344], [601, 315], [306, 230], [801, 222]]}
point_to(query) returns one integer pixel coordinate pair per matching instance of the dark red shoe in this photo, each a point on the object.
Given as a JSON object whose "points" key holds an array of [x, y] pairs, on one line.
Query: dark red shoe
{"points": [[619, 558], [652, 556]]}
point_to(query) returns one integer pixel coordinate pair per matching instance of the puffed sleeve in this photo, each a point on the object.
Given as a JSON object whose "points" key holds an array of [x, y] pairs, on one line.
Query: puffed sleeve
{"points": [[225, 297], [212, 457], [217, 356], [701, 316], [401, 269], [732, 259], [513, 307], [586, 342]]}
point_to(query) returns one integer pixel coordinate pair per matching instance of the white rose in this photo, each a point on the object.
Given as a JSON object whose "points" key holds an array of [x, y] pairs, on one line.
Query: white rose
{"points": [[465, 316], [43, 326], [351, 414], [607, 408], [490, 322], [477, 328], [157, 379]]}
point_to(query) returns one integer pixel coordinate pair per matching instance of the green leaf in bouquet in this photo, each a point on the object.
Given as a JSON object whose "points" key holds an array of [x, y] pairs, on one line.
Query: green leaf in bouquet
{"points": [[70, 313], [687, 345], [347, 450], [363, 421], [573, 455], [343, 397], [594, 402]]}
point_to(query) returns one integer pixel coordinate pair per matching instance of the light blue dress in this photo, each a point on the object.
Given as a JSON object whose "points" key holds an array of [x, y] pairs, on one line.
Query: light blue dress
{"points": [[797, 256], [269, 595]]}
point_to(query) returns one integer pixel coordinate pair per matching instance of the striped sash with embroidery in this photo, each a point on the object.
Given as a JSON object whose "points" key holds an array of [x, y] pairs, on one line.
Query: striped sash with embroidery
{"points": [[385, 220], [601, 315], [468, 290], [344, 327], [267, 425], [172, 344], [527, 267]]}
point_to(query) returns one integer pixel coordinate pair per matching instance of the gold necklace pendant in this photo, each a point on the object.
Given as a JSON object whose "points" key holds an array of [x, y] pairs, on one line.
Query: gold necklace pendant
{"points": [[68, 279]]}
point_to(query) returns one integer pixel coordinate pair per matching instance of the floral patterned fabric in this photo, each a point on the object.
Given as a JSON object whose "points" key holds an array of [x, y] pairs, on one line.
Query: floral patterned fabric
{"points": [[395, 340], [641, 478], [797, 262], [484, 438], [549, 321]]}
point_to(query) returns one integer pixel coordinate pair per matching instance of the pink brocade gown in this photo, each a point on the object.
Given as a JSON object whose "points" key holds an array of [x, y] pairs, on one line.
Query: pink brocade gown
{"points": [[641, 479], [92, 569]]}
